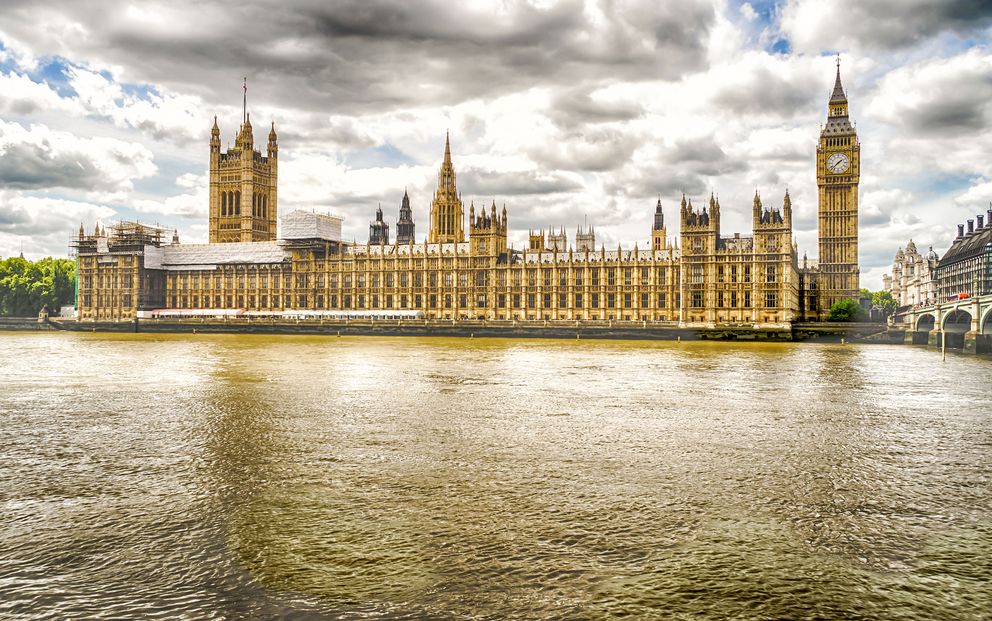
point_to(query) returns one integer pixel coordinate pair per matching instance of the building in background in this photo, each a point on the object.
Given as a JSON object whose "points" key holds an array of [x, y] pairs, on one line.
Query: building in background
{"points": [[378, 230], [965, 270], [913, 278], [405, 229]]}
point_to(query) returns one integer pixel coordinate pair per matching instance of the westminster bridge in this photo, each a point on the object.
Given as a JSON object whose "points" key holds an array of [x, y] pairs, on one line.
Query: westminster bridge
{"points": [[958, 324]]}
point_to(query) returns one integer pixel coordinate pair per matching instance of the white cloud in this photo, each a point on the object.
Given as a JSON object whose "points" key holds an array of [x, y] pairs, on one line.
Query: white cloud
{"points": [[44, 225], [38, 157]]}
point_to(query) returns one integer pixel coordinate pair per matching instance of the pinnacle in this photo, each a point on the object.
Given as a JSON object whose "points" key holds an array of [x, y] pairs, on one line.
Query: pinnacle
{"points": [[838, 95]]}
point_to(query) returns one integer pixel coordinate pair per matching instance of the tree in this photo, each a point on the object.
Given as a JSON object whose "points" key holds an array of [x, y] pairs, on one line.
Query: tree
{"points": [[26, 286], [885, 301], [847, 310]]}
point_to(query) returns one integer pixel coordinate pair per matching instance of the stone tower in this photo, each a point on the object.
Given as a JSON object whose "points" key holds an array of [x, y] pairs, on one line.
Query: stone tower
{"points": [[557, 242], [447, 210], [378, 230], [487, 231], [585, 239], [536, 240], [659, 235], [243, 198], [773, 269], [838, 170], [405, 226], [700, 233]]}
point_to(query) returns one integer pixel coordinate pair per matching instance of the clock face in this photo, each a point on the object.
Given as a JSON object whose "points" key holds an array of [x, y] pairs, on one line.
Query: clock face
{"points": [[838, 163]]}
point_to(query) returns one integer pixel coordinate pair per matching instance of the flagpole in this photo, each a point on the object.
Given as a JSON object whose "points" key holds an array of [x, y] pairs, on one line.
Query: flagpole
{"points": [[244, 105]]}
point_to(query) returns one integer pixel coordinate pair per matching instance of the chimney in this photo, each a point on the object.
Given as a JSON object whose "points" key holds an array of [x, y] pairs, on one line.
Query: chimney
{"points": [[960, 230], [971, 227], [981, 221]]}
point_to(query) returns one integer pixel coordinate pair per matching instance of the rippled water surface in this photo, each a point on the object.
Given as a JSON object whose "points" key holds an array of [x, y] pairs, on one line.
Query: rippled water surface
{"points": [[234, 477]]}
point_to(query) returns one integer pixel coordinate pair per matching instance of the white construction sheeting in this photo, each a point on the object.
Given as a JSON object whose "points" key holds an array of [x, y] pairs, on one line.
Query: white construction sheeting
{"points": [[309, 225], [208, 256]]}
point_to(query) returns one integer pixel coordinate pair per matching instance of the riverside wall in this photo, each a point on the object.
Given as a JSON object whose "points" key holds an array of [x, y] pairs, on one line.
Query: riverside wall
{"points": [[633, 330]]}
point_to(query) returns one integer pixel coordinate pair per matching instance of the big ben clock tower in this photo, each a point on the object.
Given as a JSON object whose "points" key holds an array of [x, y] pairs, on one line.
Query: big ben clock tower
{"points": [[838, 170]]}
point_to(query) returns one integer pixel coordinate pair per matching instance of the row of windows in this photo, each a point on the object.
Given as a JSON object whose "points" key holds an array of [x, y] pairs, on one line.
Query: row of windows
{"points": [[348, 302], [230, 204], [730, 299]]}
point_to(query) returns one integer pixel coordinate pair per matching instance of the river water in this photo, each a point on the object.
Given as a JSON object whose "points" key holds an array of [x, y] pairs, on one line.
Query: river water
{"points": [[255, 477]]}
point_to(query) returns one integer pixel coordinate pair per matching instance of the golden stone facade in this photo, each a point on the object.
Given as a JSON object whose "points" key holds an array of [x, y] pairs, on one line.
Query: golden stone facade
{"points": [[702, 279], [838, 173], [243, 188]]}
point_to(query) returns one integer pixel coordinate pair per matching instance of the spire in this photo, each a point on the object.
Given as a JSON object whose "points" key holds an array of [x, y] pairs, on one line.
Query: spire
{"points": [[272, 132], [447, 149], [838, 96], [215, 130]]}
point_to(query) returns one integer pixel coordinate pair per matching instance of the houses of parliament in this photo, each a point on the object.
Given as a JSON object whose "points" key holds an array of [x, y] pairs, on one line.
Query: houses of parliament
{"points": [[701, 278]]}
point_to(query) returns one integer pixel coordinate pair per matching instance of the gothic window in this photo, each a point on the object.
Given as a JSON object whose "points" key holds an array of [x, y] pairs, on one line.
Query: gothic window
{"points": [[697, 299], [627, 275], [697, 274], [771, 299], [771, 274], [237, 203]]}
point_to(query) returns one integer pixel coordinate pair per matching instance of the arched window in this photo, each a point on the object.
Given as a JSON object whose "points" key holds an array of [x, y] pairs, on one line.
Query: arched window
{"points": [[237, 203], [223, 204], [254, 204], [265, 206]]}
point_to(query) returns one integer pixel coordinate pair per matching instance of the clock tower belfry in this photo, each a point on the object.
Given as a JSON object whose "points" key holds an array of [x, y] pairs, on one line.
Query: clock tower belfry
{"points": [[838, 172]]}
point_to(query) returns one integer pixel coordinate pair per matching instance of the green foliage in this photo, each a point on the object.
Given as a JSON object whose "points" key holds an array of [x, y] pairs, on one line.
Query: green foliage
{"points": [[847, 310], [885, 301], [26, 286]]}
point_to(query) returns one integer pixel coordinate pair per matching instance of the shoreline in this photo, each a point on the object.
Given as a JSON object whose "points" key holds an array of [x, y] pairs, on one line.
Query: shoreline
{"points": [[609, 330], [861, 333]]}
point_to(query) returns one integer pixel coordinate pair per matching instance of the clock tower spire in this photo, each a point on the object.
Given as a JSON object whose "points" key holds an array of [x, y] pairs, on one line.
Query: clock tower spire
{"points": [[838, 172]]}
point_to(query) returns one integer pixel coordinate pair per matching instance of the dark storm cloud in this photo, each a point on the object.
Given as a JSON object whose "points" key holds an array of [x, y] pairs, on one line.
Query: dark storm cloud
{"points": [[575, 108], [702, 156], [887, 24], [342, 57], [492, 183], [957, 110], [31, 166], [596, 150], [764, 91]]}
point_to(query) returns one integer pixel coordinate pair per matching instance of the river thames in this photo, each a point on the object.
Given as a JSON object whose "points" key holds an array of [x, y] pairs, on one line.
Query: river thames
{"points": [[230, 477]]}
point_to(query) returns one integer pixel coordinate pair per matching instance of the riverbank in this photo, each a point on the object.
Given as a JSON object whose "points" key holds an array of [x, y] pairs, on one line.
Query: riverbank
{"points": [[24, 324], [608, 330]]}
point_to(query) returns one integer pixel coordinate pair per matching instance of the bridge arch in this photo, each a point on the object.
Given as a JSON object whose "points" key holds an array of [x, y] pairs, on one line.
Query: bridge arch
{"points": [[985, 327], [925, 322], [957, 321]]}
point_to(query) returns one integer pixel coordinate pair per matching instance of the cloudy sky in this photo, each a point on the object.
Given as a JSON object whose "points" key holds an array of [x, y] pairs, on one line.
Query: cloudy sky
{"points": [[564, 111]]}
